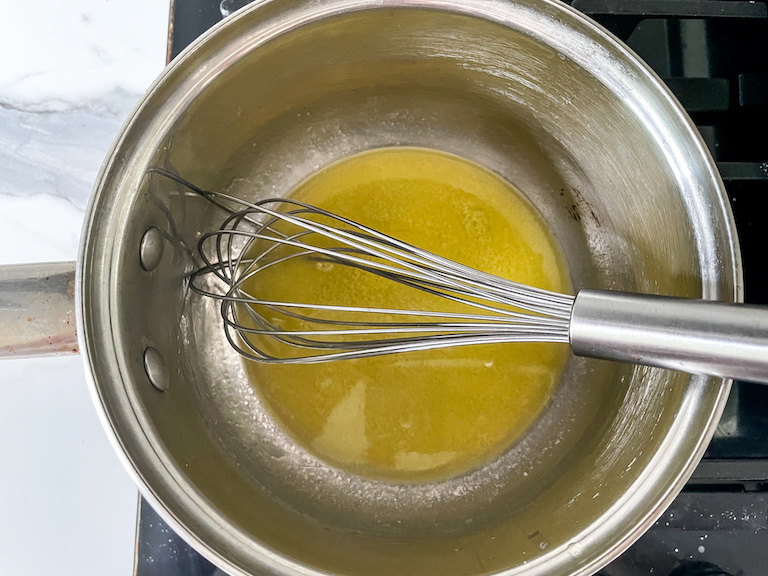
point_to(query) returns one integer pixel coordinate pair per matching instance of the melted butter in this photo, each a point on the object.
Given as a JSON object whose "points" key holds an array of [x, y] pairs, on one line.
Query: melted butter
{"points": [[423, 415]]}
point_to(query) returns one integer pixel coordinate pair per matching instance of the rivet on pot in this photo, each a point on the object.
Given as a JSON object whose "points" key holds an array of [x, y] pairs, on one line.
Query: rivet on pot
{"points": [[156, 368], [151, 248]]}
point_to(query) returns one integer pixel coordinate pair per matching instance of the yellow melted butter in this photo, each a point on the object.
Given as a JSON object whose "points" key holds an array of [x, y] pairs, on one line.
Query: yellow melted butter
{"points": [[422, 415]]}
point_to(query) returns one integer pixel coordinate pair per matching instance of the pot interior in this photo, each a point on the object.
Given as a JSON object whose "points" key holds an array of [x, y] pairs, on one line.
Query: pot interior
{"points": [[531, 91]]}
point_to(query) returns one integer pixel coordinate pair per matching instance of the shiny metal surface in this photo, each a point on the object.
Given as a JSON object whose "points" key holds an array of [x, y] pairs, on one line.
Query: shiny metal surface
{"points": [[156, 369], [492, 308], [151, 248], [37, 310], [529, 89], [727, 340]]}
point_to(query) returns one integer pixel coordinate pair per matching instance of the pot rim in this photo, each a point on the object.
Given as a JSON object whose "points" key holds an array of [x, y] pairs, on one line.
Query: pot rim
{"points": [[196, 502]]}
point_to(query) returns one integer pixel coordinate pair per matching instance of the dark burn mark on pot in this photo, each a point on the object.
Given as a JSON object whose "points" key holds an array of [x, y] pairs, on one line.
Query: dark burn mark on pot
{"points": [[573, 210], [580, 209]]}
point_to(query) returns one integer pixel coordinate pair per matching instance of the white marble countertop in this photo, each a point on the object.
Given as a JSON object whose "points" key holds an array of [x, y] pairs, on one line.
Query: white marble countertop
{"points": [[71, 71]]}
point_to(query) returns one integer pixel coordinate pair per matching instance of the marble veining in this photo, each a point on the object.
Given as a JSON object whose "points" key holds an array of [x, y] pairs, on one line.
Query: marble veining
{"points": [[70, 74], [58, 151]]}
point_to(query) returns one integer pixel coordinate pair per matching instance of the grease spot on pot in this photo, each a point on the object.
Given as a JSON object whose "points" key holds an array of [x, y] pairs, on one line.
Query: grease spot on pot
{"points": [[575, 549]]}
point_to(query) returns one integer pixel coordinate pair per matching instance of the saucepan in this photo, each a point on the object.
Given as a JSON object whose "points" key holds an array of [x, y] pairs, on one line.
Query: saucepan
{"points": [[530, 89]]}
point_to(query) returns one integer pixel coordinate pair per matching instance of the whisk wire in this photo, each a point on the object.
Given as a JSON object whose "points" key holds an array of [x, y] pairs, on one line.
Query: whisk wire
{"points": [[269, 234]]}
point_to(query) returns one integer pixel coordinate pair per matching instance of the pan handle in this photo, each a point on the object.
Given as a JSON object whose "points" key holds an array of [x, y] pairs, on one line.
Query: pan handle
{"points": [[37, 310]]}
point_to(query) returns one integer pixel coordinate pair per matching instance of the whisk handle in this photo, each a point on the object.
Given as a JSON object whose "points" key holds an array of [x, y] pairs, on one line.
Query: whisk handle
{"points": [[695, 336]]}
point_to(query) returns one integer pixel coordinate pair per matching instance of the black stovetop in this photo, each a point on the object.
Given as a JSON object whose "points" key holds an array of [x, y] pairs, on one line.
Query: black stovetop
{"points": [[713, 54]]}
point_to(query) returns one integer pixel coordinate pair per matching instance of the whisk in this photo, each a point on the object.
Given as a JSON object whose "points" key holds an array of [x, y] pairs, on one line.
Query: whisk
{"points": [[695, 336]]}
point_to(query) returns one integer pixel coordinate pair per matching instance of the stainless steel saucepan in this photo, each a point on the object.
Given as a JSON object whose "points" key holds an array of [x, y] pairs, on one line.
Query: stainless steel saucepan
{"points": [[528, 88]]}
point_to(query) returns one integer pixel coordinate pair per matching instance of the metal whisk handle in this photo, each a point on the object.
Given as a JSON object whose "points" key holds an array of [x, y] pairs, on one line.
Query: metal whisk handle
{"points": [[695, 336]]}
